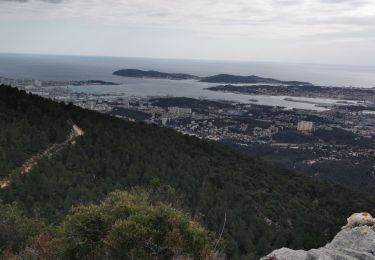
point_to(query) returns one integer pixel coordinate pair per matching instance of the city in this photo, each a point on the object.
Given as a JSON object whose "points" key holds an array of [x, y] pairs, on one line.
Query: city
{"points": [[306, 141]]}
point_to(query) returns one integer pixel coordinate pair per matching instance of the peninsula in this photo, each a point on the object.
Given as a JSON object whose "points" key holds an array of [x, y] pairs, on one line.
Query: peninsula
{"points": [[220, 78], [233, 79], [135, 73], [309, 91]]}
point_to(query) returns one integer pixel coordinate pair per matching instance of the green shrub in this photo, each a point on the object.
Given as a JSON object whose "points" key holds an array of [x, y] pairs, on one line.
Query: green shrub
{"points": [[127, 225]]}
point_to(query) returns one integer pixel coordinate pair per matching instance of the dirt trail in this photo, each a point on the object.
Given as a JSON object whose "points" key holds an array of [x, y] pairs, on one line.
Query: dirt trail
{"points": [[48, 153]]}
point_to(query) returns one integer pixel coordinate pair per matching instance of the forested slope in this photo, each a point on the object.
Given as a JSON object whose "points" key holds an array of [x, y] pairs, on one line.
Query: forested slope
{"points": [[27, 129], [266, 207]]}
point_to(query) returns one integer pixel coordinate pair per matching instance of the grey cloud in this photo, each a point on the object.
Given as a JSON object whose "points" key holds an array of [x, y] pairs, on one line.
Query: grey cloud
{"points": [[26, 1], [357, 34], [343, 20], [346, 2], [288, 2], [284, 17]]}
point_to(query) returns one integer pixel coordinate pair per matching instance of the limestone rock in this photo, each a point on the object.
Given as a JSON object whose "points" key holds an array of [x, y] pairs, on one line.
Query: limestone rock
{"points": [[358, 219], [356, 241]]}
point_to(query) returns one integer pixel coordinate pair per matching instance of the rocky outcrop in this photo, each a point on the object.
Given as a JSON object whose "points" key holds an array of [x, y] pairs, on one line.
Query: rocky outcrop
{"points": [[356, 241]]}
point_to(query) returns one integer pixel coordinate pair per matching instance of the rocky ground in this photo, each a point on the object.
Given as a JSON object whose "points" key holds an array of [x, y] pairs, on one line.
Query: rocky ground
{"points": [[356, 241]]}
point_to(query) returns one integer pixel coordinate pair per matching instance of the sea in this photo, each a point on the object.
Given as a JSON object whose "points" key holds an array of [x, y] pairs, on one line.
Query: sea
{"points": [[68, 68]]}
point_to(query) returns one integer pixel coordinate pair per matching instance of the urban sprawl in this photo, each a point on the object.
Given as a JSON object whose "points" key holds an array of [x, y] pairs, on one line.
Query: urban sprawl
{"points": [[341, 133]]}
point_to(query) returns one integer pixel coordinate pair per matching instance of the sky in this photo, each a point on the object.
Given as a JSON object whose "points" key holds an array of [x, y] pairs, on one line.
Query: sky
{"points": [[309, 31]]}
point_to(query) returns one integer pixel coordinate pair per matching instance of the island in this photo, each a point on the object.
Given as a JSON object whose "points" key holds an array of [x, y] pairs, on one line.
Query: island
{"points": [[233, 79], [220, 78], [135, 73]]}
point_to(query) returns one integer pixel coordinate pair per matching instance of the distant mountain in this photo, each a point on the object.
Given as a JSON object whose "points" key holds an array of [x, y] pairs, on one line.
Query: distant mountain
{"points": [[259, 206], [233, 79], [135, 73], [221, 78]]}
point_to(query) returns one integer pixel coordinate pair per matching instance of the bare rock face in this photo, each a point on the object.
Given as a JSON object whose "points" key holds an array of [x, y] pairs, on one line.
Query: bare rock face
{"points": [[356, 241], [359, 219]]}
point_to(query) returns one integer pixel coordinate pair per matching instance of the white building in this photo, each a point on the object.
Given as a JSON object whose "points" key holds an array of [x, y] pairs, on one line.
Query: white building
{"points": [[305, 126], [164, 121], [180, 111], [38, 83]]}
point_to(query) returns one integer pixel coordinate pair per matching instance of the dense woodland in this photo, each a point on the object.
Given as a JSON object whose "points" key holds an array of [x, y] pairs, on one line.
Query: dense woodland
{"points": [[265, 207], [27, 129]]}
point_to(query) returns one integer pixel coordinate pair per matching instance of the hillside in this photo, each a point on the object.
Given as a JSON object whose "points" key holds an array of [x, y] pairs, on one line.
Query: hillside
{"points": [[28, 126], [233, 79], [220, 78], [266, 207]]}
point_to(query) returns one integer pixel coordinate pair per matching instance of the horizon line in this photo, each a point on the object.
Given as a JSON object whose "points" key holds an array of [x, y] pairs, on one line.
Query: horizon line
{"points": [[186, 59]]}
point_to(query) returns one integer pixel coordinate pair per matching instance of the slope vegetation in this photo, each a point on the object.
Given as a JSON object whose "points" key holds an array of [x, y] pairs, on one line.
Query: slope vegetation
{"points": [[266, 207]]}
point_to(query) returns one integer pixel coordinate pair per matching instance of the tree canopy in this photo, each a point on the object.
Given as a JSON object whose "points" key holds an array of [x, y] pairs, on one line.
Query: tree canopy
{"points": [[267, 207]]}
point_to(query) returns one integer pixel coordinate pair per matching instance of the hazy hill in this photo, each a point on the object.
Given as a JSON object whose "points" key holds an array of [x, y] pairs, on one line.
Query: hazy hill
{"points": [[233, 79], [220, 78], [135, 73], [266, 207]]}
